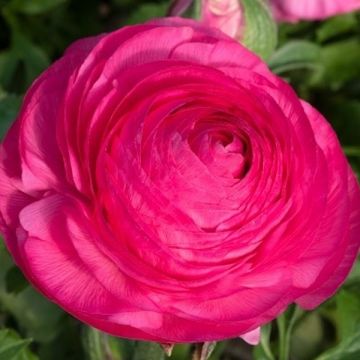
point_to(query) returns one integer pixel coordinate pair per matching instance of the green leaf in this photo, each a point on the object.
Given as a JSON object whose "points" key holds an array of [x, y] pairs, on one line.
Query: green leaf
{"points": [[196, 9], [349, 349], [98, 345], [259, 353], [180, 352], [340, 63], [93, 344], [148, 351], [147, 12], [34, 7], [12, 347], [336, 26], [8, 64], [296, 55], [38, 317], [348, 305], [15, 281], [344, 116], [354, 277], [352, 150], [9, 107], [260, 34], [34, 58], [21, 64]]}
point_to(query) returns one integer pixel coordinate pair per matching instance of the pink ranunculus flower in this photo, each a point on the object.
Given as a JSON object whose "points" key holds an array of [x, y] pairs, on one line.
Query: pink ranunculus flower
{"points": [[160, 183], [226, 15], [295, 10]]}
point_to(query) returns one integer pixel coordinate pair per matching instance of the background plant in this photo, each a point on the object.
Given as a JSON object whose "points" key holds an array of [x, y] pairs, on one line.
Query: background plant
{"points": [[320, 59]]}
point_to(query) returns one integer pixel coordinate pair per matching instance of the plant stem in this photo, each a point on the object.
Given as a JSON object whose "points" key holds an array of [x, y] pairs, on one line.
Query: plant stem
{"points": [[285, 332], [265, 341], [203, 350], [283, 347]]}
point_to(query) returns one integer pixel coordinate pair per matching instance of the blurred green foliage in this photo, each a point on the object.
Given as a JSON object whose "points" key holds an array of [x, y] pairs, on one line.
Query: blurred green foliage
{"points": [[260, 33], [320, 59]]}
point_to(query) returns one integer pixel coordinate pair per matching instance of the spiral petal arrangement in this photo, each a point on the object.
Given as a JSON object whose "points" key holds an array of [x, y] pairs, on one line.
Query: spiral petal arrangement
{"points": [[160, 183]]}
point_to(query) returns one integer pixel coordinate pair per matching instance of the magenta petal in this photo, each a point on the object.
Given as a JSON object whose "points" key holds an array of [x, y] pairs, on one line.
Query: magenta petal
{"points": [[294, 10], [252, 337]]}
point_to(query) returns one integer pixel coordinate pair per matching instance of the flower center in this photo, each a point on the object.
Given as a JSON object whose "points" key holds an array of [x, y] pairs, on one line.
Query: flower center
{"points": [[225, 153]]}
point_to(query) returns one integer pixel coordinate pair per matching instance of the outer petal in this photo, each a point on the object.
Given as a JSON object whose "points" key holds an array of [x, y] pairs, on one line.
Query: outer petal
{"points": [[252, 337], [343, 238]]}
